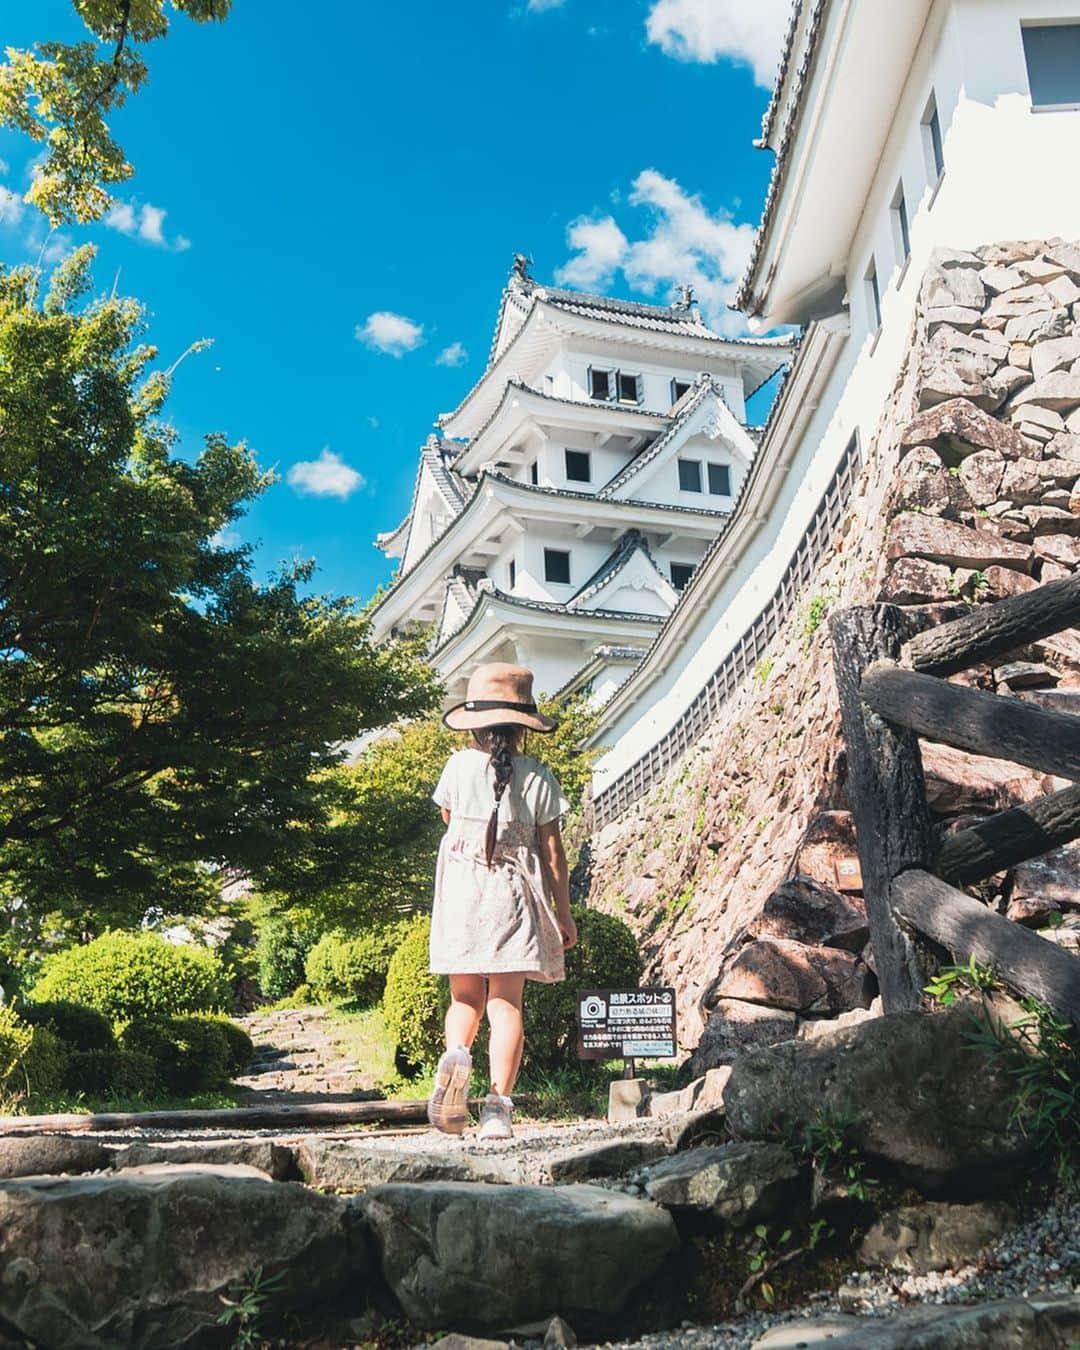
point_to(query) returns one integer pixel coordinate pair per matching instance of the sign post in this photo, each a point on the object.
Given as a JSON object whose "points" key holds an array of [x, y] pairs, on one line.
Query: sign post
{"points": [[627, 1024]]}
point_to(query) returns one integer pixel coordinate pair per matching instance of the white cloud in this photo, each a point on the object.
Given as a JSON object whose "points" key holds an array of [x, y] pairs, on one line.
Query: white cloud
{"points": [[5, 167], [11, 207], [751, 31], [538, 6], [327, 476], [454, 355], [144, 222], [392, 333], [684, 243]]}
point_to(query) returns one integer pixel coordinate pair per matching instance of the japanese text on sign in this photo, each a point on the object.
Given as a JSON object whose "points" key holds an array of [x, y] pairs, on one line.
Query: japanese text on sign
{"points": [[631, 1023]]}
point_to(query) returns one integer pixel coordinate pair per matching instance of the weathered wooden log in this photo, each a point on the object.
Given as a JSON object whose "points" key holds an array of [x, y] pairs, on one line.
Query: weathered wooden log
{"points": [[887, 793], [985, 724], [994, 629], [1011, 837], [1057, 700], [1025, 961]]}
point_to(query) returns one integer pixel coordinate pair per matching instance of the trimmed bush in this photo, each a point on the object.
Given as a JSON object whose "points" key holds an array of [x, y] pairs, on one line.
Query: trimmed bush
{"points": [[79, 1027], [15, 1040], [241, 1046], [189, 1054], [281, 950], [134, 975], [342, 967], [111, 1073], [415, 1001]]}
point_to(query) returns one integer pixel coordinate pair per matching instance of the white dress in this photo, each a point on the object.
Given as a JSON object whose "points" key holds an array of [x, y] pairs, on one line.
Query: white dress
{"points": [[497, 920]]}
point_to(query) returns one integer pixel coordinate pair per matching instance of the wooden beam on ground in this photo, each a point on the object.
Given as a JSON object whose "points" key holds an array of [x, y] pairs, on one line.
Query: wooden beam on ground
{"points": [[985, 724], [1011, 837], [1057, 700], [1028, 963], [995, 629], [887, 794]]}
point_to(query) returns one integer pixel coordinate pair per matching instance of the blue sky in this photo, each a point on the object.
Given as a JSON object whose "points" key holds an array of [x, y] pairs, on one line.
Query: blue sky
{"points": [[387, 161]]}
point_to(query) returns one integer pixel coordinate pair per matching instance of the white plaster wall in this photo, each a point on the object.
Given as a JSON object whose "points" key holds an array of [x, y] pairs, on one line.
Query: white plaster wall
{"points": [[570, 373], [1009, 173]]}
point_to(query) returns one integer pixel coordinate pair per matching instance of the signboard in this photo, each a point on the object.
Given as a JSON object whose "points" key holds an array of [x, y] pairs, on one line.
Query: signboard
{"points": [[848, 875], [626, 1023]]}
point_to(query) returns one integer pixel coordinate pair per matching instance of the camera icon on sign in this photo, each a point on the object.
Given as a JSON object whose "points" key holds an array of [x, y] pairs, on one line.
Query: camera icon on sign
{"points": [[593, 1007]]}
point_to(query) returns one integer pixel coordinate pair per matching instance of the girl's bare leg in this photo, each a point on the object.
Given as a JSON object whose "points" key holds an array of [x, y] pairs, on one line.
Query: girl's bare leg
{"points": [[468, 994], [507, 1033]]}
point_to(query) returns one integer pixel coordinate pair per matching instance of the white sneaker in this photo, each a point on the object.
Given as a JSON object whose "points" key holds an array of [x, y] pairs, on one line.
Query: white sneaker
{"points": [[448, 1105], [495, 1116]]}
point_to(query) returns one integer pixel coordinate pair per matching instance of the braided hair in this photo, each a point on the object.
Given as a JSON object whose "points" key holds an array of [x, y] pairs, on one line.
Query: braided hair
{"points": [[501, 742]]}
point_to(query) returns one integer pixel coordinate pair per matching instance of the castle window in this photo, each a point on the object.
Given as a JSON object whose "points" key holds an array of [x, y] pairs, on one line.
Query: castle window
{"points": [[511, 571], [690, 475], [720, 480], [577, 466], [601, 384], [631, 387], [679, 388], [534, 472], [680, 575], [935, 150], [900, 224], [1052, 53], [873, 295], [557, 566]]}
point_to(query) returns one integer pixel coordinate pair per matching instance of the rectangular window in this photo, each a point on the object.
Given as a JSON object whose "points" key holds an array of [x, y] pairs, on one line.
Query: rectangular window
{"points": [[557, 566], [720, 480], [873, 295], [601, 384], [534, 472], [1052, 53], [512, 573], [577, 466], [690, 475], [900, 225], [630, 387], [679, 388], [935, 150], [680, 575]]}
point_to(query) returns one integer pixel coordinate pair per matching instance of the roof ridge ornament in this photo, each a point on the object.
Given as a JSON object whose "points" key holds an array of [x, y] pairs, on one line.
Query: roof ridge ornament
{"points": [[519, 272], [685, 293]]}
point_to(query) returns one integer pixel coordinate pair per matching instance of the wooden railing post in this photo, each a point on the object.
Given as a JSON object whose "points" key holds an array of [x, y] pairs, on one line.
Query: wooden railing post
{"points": [[887, 792]]}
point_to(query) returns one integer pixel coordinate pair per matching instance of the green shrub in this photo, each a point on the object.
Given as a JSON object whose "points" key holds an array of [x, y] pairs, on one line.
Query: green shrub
{"points": [[341, 967], [111, 1073], [134, 975], [281, 950], [79, 1027], [189, 1054], [606, 957], [415, 1001], [15, 1039], [241, 1046], [44, 1065]]}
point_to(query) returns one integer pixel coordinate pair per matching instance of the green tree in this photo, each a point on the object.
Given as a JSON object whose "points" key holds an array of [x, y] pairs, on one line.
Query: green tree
{"points": [[62, 94], [162, 715]]}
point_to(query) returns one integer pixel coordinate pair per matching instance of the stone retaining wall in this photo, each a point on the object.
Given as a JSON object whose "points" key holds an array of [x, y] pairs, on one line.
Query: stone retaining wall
{"points": [[728, 871]]}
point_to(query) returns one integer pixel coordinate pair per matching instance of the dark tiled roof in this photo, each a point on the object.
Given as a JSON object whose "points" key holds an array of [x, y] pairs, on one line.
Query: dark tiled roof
{"points": [[630, 543], [686, 405], [769, 120], [815, 25]]}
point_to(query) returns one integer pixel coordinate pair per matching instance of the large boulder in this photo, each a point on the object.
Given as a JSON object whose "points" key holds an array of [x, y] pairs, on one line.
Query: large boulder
{"points": [[276, 1160], [735, 1026], [920, 1097], [804, 911], [50, 1155], [479, 1257], [100, 1263], [932, 1236], [799, 977], [957, 428], [956, 545], [735, 1184], [351, 1165]]}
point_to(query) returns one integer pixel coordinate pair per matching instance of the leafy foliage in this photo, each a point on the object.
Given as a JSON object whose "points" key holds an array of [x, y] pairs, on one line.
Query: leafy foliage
{"points": [[15, 1039], [162, 715], [828, 1143], [241, 1048], [950, 981], [111, 1073], [80, 1027], [415, 1001], [281, 951], [44, 1066], [62, 96], [190, 1054], [131, 975], [340, 967]]}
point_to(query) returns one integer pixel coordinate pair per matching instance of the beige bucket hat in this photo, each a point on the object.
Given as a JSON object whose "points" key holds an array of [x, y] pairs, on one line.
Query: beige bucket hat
{"points": [[498, 694]]}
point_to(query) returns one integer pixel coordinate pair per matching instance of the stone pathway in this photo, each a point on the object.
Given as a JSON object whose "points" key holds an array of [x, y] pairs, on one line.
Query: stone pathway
{"points": [[299, 1059]]}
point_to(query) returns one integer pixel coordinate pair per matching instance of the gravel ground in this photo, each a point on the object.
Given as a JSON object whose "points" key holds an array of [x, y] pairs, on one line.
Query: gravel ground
{"points": [[1039, 1256]]}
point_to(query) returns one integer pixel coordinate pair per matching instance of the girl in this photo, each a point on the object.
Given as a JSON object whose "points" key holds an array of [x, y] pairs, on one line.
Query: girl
{"points": [[493, 926]]}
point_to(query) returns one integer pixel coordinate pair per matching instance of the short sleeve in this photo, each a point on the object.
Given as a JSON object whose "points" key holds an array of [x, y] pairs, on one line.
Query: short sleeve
{"points": [[550, 800], [444, 793]]}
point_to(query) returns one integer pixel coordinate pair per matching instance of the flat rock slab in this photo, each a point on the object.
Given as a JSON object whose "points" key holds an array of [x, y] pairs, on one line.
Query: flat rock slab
{"points": [[50, 1155], [348, 1165], [931, 1236], [276, 1160], [735, 1184], [479, 1257], [586, 1162], [119, 1261]]}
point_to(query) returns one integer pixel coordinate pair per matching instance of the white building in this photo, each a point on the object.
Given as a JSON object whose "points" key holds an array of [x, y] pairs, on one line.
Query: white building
{"points": [[562, 506], [898, 126]]}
